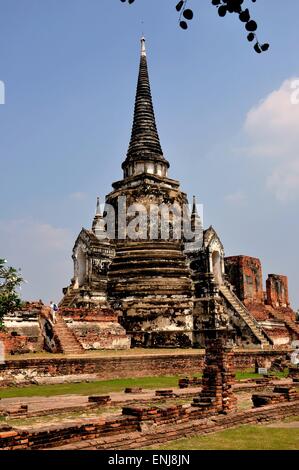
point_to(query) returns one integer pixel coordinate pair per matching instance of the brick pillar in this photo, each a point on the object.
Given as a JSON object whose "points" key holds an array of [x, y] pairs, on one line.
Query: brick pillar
{"points": [[218, 378]]}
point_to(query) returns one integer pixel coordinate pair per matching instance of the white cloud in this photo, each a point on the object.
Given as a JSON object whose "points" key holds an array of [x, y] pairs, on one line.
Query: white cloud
{"points": [[273, 129], [78, 196], [43, 253]]}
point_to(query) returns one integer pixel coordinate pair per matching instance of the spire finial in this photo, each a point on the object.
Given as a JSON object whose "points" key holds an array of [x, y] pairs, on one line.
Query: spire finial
{"points": [[98, 209], [143, 49], [194, 211]]}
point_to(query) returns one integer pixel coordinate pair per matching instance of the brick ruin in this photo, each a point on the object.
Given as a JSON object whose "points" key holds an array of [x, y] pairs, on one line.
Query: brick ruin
{"points": [[164, 291], [270, 307], [22, 332], [138, 428], [79, 329], [158, 291], [76, 330], [218, 378], [143, 422]]}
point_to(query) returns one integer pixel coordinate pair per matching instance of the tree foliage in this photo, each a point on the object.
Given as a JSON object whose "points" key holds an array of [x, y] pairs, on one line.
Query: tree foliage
{"points": [[223, 7], [10, 280]]}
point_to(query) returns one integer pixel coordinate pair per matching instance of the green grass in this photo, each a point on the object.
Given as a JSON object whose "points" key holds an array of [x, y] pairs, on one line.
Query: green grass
{"points": [[241, 438], [102, 386], [85, 388], [240, 375], [249, 374]]}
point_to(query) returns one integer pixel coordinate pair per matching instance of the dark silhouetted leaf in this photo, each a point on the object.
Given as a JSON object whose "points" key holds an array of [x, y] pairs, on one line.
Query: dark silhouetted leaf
{"points": [[180, 5], [251, 26], [183, 25], [188, 14], [222, 10]]}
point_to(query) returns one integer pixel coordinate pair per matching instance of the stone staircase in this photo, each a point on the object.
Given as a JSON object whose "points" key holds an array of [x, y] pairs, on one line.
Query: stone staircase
{"points": [[68, 299], [68, 341], [246, 316]]}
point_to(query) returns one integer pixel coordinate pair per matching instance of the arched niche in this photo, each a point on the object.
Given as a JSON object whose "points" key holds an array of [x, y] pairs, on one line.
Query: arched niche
{"points": [[81, 267], [217, 267]]}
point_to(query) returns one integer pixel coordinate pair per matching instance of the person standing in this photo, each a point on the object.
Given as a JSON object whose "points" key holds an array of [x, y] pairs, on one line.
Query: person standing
{"points": [[54, 309]]}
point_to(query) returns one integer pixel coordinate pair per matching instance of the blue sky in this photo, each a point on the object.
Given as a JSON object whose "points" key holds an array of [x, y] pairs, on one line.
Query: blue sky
{"points": [[224, 116]]}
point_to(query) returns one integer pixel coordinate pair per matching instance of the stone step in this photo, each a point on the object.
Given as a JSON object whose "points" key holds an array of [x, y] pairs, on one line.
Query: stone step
{"points": [[68, 341], [245, 315]]}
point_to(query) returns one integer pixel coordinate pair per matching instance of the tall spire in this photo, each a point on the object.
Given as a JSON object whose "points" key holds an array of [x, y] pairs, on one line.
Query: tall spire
{"points": [[145, 143]]}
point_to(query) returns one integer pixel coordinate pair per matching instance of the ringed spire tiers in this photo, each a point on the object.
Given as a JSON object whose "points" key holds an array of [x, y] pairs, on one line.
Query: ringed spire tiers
{"points": [[145, 154]]}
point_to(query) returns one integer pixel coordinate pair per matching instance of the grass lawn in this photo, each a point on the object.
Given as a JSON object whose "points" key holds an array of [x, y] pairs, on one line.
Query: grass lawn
{"points": [[242, 438], [89, 388], [102, 386]]}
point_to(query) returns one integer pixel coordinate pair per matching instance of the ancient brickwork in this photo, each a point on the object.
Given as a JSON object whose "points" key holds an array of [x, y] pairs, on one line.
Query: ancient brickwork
{"points": [[18, 344], [218, 379], [162, 284], [149, 280], [271, 308], [277, 291], [279, 395], [80, 329], [245, 274], [22, 328], [138, 428], [27, 370]]}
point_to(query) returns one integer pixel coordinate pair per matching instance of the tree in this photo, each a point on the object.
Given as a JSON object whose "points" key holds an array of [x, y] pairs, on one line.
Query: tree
{"points": [[223, 7], [10, 279]]}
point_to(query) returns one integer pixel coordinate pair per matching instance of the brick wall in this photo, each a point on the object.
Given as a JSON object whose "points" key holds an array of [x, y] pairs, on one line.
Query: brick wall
{"points": [[84, 314], [19, 344], [140, 428], [26, 370], [277, 291], [245, 274]]}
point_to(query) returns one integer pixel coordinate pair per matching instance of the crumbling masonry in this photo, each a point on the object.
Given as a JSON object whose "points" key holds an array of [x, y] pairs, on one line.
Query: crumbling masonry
{"points": [[163, 290]]}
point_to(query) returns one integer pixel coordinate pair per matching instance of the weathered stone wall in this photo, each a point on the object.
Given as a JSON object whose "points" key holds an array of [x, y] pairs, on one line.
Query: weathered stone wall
{"points": [[22, 332], [27, 370], [100, 335], [271, 308], [277, 291], [96, 328], [19, 344], [245, 274]]}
